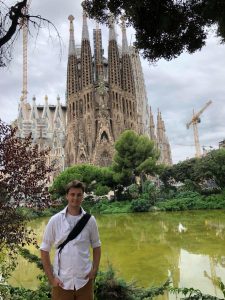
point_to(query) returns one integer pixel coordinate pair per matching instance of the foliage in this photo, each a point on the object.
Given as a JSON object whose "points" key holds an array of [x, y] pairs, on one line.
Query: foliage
{"points": [[31, 213], [11, 19], [31, 257], [135, 154], [106, 207], [108, 286], [206, 174], [166, 28], [140, 205], [133, 189], [101, 190], [93, 176], [23, 179], [192, 200], [193, 294]]}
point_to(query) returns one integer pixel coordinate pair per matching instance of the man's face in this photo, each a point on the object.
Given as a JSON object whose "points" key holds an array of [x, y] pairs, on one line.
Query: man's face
{"points": [[75, 197]]}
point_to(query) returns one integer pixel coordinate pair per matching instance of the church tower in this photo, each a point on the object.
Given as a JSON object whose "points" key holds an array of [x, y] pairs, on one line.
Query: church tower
{"points": [[162, 142], [114, 76], [102, 100], [128, 97]]}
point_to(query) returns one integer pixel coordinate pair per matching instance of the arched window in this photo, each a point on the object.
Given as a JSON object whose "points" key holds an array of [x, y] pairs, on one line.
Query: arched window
{"points": [[104, 137]]}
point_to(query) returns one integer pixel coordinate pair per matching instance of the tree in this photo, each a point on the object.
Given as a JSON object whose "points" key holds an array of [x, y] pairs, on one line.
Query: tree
{"points": [[12, 19], [179, 172], [94, 177], [23, 178], [165, 28], [212, 168], [134, 155], [206, 173]]}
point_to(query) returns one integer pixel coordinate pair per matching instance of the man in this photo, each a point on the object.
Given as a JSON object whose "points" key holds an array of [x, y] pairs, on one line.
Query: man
{"points": [[73, 273]]}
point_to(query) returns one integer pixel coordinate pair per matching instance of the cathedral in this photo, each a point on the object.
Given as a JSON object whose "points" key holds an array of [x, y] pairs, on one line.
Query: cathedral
{"points": [[104, 97]]}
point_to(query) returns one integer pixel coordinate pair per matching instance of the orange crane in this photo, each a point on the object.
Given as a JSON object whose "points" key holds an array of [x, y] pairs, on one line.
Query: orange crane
{"points": [[194, 122]]}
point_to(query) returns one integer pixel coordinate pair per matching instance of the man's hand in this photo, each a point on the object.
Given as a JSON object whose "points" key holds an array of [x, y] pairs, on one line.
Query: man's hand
{"points": [[55, 281], [92, 274]]}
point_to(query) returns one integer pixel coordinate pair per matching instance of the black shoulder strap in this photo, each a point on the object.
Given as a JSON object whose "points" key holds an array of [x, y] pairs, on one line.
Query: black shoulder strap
{"points": [[76, 230]]}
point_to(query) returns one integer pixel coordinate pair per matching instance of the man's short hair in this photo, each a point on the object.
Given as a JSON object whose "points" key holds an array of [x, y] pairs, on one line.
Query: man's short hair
{"points": [[74, 184]]}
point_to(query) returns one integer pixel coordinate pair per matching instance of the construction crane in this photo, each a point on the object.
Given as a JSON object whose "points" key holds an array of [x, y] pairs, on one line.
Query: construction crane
{"points": [[194, 122], [24, 25]]}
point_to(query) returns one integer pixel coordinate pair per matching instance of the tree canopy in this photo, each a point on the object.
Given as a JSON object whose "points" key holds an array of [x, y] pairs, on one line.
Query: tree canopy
{"points": [[135, 154], [23, 178], [207, 172], [12, 20], [92, 176], [164, 28]]}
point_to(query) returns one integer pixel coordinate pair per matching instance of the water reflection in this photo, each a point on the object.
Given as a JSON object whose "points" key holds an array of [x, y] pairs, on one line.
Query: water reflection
{"points": [[147, 247]]}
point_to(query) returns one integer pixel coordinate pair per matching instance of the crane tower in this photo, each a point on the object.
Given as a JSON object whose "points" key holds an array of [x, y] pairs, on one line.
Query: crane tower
{"points": [[194, 122], [24, 25]]}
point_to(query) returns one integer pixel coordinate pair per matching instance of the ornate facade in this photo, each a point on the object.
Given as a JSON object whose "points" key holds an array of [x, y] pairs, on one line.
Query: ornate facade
{"points": [[47, 126], [104, 97]]}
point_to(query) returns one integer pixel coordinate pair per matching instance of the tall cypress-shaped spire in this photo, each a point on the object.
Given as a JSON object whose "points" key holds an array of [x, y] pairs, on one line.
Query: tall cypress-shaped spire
{"points": [[162, 141], [72, 69], [152, 126], [85, 33], [113, 56], [127, 72], [97, 34], [159, 128], [86, 61]]}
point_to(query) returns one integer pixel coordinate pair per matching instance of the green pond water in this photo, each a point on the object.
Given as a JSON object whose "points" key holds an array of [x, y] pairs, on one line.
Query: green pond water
{"points": [[147, 247]]}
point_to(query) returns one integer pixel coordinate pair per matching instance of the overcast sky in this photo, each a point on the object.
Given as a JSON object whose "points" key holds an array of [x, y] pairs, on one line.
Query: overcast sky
{"points": [[176, 87]]}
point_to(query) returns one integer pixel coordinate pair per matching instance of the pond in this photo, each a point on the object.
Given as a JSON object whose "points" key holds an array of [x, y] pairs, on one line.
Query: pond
{"points": [[147, 247]]}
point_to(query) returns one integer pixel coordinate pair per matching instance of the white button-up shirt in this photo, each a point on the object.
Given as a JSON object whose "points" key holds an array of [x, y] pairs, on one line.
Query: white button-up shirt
{"points": [[75, 261]]}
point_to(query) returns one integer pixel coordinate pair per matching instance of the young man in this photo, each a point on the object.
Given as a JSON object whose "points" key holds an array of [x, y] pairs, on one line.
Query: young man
{"points": [[73, 273]]}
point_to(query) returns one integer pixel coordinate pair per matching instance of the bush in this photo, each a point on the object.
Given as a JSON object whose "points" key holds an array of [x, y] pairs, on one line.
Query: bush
{"points": [[101, 190], [133, 189], [193, 200], [140, 205], [110, 287], [106, 207]]}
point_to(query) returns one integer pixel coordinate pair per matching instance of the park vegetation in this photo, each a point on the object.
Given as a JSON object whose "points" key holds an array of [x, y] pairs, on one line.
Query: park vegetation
{"points": [[140, 184], [106, 286], [23, 177]]}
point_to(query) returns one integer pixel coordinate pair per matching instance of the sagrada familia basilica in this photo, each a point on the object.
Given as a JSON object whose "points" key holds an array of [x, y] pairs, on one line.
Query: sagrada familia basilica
{"points": [[104, 97]]}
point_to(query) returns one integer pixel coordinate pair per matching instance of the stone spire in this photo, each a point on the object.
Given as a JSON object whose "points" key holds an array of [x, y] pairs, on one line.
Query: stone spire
{"points": [[162, 141], [127, 72], [72, 50], [85, 33], [112, 32], [152, 126], [159, 128], [86, 58], [72, 68], [98, 63], [125, 49], [113, 57]]}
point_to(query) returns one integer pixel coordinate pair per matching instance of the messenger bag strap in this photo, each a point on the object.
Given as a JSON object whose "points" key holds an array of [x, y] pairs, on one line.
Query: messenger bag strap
{"points": [[75, 231]]}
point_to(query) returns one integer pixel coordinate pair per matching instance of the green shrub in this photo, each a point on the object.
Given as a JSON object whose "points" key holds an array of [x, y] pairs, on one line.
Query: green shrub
{"points": [[193, 200], [140, 205], [110, 287], [101, 190], [133, 189]]}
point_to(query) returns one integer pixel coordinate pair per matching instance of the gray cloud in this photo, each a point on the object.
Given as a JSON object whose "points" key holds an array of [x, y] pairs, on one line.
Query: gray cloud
{"points": [[176, 87]]}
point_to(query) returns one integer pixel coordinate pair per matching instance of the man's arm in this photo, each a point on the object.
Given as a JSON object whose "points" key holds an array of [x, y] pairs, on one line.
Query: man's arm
{"points": [[45, 258], [96, 261]]}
